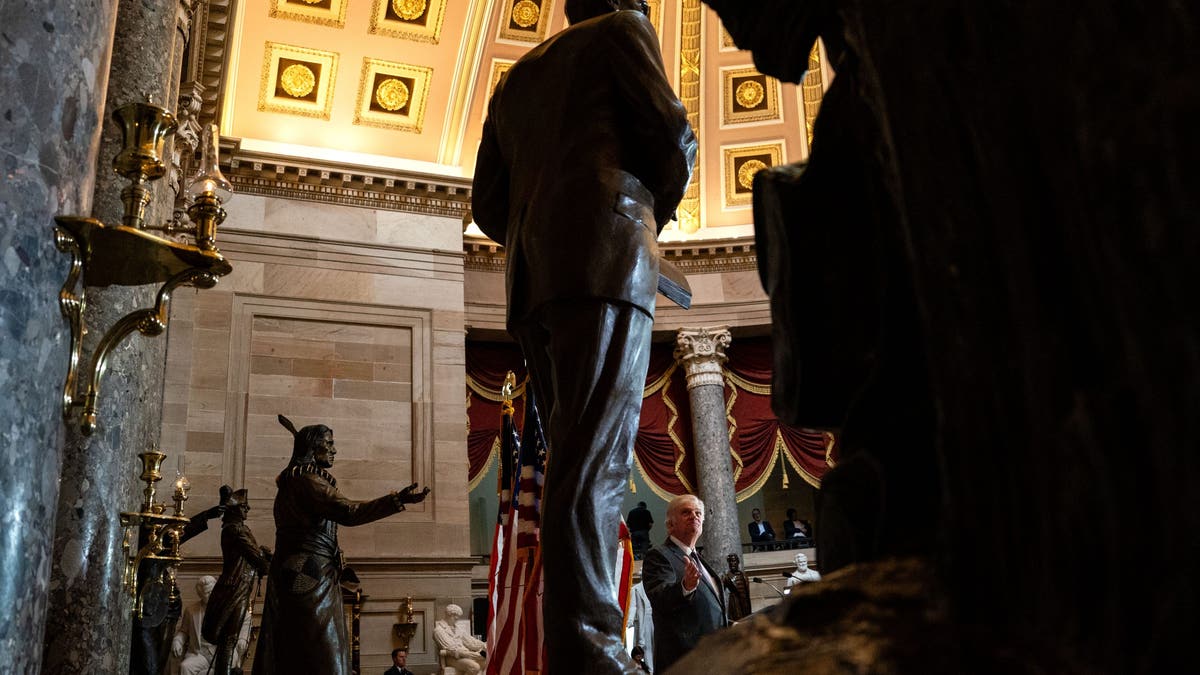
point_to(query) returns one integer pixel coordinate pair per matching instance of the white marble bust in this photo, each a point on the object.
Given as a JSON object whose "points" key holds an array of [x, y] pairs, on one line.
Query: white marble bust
{"points": [[802, 574]]}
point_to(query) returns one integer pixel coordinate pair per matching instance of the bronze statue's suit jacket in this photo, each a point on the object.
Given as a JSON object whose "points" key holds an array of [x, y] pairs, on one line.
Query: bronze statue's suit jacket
{"points": [[585, 155]]}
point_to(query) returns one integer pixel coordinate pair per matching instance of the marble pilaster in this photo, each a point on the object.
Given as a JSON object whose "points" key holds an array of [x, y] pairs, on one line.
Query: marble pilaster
{"points": [[702, 351], [88, 625], [53, 62]]}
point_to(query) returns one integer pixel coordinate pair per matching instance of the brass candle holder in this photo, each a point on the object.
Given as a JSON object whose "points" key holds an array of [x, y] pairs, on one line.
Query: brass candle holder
{"points": [[162, 536], [407, 628], [129, 255]]}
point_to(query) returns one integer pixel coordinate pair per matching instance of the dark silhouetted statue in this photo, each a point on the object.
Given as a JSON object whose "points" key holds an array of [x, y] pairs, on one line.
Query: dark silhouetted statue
{"points": [[243, 561], [303, 624], [738, 587], [585, 155]]}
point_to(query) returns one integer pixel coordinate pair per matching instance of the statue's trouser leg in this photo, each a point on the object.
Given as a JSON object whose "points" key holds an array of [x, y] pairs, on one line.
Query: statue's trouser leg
{"points": [[588, 362]]}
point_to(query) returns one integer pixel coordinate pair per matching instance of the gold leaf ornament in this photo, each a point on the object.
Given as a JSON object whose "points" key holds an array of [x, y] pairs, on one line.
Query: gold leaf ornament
{"points": [[525, 13], [749, 94], [392, 94], [745, 174], [298, 80], [409, 10]]}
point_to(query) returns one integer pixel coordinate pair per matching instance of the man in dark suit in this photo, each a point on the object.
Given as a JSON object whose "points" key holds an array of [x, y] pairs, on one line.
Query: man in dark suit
{"points": [[399, 660], [639, 522], [684, 591], [760, 530], [585, 155]]}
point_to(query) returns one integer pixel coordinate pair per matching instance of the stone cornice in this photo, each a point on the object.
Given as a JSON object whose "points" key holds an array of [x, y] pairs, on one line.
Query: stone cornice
{"points": [[346, 184], [698, 257]]}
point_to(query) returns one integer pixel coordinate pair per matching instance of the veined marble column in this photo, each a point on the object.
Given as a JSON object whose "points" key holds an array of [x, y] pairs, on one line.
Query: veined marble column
{"points": [[53, 63], [702, 351], [89, 622]]}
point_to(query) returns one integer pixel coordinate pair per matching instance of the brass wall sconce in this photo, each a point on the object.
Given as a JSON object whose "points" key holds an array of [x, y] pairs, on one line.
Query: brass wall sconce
{"points": [[129, 255], [406, 629], [162, 534]]}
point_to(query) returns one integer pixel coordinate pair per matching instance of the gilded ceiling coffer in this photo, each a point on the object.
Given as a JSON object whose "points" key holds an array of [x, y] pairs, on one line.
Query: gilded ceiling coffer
{"points": [[129, 255]]}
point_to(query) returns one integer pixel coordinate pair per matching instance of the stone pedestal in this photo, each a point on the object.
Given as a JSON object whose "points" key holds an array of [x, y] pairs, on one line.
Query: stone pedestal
{"points": [[53, 64], [89, 622], [702, 351]]}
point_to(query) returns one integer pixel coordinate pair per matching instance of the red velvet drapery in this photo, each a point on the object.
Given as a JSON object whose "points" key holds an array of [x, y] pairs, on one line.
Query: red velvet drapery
{"points": [[663, 449]]}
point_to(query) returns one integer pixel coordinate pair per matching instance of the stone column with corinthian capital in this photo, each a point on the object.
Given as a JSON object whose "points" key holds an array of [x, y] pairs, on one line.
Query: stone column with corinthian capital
{"points": [[702, 351]]}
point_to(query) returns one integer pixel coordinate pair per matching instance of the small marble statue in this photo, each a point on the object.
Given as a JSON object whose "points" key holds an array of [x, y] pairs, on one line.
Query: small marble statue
{"points": [[464, 652], [188, 645], [802, 574], [738, 586], [244, 561]]}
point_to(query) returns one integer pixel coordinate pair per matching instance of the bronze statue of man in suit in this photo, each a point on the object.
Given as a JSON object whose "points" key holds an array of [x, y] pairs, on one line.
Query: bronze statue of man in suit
{"points": [[585, 155]]}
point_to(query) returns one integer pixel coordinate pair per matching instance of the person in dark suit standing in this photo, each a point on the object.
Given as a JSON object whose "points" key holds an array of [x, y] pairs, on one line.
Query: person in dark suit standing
{"points": [[639, 522], [585, 155], [685, 592], [760, 530], [399, 660]]}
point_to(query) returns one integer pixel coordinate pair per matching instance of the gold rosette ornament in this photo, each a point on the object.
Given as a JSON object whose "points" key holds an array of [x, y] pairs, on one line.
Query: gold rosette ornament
{"points": [[409, 10], [525, 13], [392, 94], [749, 94], [298, 80], [745, 174]]}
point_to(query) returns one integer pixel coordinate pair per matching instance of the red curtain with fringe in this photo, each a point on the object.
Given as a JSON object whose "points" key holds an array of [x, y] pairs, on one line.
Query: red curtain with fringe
{"points": [[663, 448]]}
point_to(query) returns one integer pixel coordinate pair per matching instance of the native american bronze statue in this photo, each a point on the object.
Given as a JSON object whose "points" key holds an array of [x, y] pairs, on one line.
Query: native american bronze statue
{"points": [[303, 625]]}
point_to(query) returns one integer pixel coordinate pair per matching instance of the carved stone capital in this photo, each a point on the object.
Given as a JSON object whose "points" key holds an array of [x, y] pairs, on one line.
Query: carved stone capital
{"points": [[702, 351]]}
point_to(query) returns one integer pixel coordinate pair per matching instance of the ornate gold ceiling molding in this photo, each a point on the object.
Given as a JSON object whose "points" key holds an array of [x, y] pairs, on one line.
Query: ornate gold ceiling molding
{"points": [[691, 35], [331, 13], [348, 185], [466, 70]]}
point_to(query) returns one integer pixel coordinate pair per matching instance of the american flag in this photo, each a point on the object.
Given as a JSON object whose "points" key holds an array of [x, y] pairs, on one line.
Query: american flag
{"points": [[516, 638], [514, 587]]}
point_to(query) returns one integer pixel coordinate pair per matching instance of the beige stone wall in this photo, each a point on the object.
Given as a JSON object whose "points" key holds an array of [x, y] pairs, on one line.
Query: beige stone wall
{"points": [[349, 317]]}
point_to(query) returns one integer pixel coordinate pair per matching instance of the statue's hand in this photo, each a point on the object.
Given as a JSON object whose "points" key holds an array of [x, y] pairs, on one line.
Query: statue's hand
{"points": [[177, 647], [215, 512], [408, 496]]}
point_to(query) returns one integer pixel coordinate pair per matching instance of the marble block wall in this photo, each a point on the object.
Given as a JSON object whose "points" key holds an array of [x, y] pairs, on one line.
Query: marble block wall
{"points": [[352, 318]]}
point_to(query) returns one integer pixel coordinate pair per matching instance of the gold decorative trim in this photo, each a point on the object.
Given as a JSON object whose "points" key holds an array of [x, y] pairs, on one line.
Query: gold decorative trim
{"points": [[494, 395], [737, 473], [333, 16], [742, 383], [748, 97], [808, 477], [656, 16], [375, 107], [690, 37], [813, 91], [676, 440], [662, 494], [727, 44], [525, 20], [392, 19], [740, 164], [497, 71], [313, 100]]}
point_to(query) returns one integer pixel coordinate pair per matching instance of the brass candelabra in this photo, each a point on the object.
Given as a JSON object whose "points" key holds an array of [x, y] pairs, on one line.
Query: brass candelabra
{"points": [[160, 539], [129, 255]]}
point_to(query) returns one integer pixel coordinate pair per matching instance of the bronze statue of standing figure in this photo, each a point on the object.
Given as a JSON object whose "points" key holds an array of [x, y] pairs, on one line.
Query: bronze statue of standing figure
{"points": [[585, 155], [304, 625], [738, 586], [244, 561]]}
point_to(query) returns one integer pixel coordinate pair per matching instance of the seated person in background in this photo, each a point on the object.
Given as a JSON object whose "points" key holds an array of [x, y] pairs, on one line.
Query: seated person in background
{"points": [[187, 644], [399, 660], [760, 530], [802, 574], [463, 651], [793, 528]]}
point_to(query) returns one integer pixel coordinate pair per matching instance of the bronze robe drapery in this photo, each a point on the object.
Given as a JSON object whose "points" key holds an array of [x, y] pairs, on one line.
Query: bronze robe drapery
{"points": [[243, 560], [304, 627]]}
